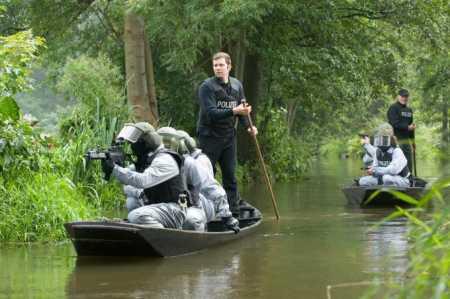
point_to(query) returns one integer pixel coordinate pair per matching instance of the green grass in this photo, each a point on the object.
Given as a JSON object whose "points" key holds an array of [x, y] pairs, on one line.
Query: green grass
{"points": [[36, 206], [428, 272]]}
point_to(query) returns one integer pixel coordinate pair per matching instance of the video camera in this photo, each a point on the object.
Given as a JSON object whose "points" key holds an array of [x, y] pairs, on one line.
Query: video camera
{"points": [[114, 152]]}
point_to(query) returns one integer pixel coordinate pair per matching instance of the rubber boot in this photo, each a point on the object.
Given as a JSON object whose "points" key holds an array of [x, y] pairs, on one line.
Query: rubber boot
{"points": [[231, 223]]}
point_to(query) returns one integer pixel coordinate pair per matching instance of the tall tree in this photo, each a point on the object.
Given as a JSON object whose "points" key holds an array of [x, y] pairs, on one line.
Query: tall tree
{"points": [[139, 70]]}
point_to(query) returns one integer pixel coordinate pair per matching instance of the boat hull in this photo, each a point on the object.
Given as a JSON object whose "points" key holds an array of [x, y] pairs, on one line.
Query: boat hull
{"points": [[359, 195], [120, 238]]}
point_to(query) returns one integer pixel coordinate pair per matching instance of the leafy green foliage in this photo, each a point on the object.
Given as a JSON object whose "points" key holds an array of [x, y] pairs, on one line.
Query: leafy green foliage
{"points": [[101, 108], [17, 52], [20, 146], [289, 157], [9, 109], [21, 149], [44, 182], [37, 193], [36, 206], [94, 82]]}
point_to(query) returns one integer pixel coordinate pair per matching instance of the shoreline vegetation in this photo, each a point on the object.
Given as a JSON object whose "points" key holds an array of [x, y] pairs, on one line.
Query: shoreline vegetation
{"points": [[428, 269]]}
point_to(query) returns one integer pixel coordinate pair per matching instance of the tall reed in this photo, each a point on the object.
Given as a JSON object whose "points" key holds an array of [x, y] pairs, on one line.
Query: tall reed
{"points": [[428, 272]]}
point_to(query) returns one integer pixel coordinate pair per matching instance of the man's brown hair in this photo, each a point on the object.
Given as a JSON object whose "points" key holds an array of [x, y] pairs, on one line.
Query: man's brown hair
{"points": [[219, 55]]}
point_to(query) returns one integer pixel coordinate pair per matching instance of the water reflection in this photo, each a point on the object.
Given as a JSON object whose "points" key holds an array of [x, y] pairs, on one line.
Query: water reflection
{"points": [[386, 242], [35, 271], [206, 275]]}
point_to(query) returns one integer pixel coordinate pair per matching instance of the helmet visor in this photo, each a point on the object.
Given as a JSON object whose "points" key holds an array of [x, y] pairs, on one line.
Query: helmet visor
{"points": [[130, 133], [382, 141]]}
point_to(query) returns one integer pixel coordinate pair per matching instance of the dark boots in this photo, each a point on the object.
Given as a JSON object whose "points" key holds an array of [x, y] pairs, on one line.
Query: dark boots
{"points": [[231, 223]]}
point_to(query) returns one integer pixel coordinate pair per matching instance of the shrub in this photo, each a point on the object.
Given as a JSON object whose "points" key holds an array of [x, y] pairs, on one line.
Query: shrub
{"points": [[287, 156]]}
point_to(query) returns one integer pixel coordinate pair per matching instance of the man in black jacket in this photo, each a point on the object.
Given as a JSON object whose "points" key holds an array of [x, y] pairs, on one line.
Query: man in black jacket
{"points": [[400, 116], [220, 99]]}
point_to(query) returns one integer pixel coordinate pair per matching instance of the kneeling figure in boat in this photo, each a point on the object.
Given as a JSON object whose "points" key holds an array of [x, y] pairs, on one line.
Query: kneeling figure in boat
{"points": [[200, 178], [209, 195], [153, 184], [195, 215], [389, 163]]}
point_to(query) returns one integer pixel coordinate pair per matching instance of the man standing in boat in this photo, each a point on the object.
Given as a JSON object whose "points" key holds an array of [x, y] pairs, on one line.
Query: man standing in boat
{"points": [[155, 179], [400, 116], [220, 98], [389, 165]]}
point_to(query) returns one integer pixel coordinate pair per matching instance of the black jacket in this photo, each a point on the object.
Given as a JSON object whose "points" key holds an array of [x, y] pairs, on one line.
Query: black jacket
{"points": [[217, 100], [400, 117]]}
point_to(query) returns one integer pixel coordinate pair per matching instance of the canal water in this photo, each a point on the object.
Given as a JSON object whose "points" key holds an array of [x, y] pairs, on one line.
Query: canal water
{"points": [[321, 248]]}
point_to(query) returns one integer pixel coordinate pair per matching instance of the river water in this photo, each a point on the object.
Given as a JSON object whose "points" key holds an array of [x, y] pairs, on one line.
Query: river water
{"points": [[320, 249]]}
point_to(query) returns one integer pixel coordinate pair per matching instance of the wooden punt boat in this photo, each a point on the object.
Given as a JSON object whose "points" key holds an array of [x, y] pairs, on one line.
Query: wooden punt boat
{"points": [[359, 195], [121, 238]]}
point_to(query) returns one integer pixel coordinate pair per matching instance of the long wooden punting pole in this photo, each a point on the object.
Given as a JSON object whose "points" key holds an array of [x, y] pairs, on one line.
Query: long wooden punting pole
{"points": [[263, 165], [412, 145]]}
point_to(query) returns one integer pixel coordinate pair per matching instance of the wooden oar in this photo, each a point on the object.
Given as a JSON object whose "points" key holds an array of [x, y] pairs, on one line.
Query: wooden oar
{"points": [[263, 165], [413, 149]]}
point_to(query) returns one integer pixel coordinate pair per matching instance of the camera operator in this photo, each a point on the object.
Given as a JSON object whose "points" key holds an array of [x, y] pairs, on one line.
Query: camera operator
{"points": [[155, 181]]}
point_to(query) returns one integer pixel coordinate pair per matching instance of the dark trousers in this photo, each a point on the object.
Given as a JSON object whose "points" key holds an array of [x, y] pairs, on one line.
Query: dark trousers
{"points": [[407, 151], [223, 151]]}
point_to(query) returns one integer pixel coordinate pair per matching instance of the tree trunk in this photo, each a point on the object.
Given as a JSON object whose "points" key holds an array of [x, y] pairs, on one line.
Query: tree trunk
{"points": [[152, 100], [238, 62], [253, 87], [253, 81], [292, 105], [139, 71]]}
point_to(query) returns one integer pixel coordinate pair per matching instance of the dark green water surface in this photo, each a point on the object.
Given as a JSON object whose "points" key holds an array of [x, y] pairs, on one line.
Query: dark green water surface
{"points": [[319, 242]]}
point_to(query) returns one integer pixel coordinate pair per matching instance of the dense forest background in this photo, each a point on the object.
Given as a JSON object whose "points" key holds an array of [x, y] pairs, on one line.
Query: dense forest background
{"points": [[311, 70], [315, 72]]}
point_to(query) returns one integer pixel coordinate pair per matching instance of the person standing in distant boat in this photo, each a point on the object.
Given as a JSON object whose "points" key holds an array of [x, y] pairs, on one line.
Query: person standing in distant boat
{"points": [[220, 98], [400, 116]]}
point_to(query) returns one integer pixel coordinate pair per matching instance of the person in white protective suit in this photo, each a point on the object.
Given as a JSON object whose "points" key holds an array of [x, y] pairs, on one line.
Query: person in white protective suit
{"points": [[389, 166], [156, 195]]}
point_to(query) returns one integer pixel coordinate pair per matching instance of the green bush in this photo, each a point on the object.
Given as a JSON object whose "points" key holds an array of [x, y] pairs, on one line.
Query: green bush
{"points": [[44, 181], [287, 156], [101, 107], [21, 149], [36, 205], [17, 53]]}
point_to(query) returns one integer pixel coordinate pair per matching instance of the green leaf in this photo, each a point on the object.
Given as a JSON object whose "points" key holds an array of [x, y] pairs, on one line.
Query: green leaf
{"points": [[404, 197], [9, 109]]}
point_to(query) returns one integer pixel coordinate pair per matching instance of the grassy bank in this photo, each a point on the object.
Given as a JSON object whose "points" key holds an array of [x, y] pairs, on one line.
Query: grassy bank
{"points": [[428, 271]]}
